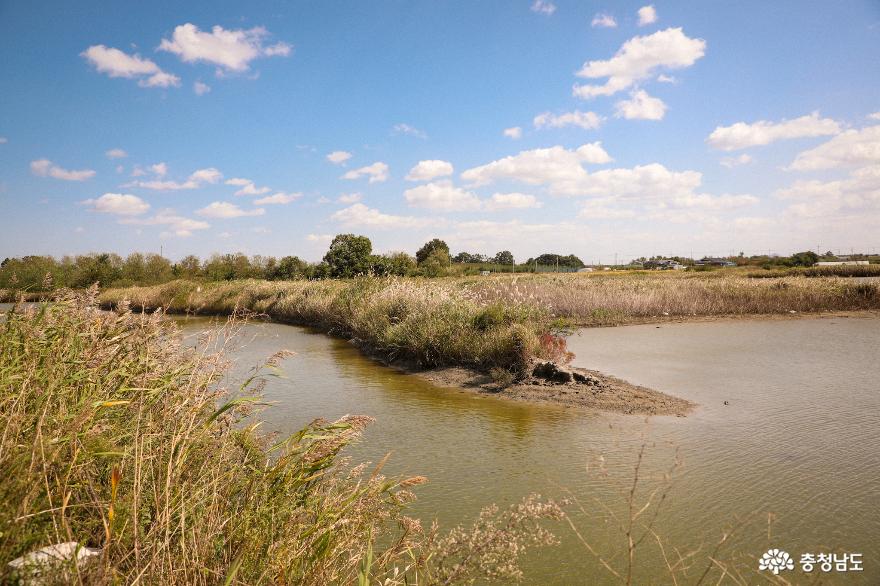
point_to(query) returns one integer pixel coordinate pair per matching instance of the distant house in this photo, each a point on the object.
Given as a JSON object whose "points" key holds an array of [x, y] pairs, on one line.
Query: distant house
{"points": [[664, 264], [714, 262], [586, 270]]}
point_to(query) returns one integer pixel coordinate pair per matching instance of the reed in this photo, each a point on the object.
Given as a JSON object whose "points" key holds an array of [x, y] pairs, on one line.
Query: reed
{"points": [[819, 271], [602, 300], [117, 437], [428, 322], [501, 322]]}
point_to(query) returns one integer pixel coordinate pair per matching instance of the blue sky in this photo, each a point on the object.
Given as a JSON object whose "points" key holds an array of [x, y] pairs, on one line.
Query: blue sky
{"points": [[585, 127]]}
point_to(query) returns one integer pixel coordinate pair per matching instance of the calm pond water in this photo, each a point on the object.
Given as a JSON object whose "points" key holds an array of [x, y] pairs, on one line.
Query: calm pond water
{"points": [[797, 445]]}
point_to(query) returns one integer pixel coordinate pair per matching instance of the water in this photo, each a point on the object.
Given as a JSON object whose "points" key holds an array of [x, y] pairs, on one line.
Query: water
{"points": [[796, 445], [798, 439]]}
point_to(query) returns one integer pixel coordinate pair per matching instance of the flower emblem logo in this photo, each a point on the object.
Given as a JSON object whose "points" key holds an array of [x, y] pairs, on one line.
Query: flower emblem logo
{"points": [[776, 561]]}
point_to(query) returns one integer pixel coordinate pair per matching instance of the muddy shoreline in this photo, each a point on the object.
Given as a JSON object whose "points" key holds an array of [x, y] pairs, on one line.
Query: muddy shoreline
{"points": [[606, 393]]}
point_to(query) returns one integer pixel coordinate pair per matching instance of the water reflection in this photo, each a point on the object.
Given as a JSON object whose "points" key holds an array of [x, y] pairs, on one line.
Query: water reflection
{"points": [[797, 439]]}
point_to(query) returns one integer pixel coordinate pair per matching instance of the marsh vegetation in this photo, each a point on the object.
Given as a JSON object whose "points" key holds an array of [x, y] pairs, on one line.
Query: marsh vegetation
{"points": [[118, 438]]}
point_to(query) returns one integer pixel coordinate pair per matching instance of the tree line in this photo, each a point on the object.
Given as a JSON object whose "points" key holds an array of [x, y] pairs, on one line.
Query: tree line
{"points": [[349, 255]]}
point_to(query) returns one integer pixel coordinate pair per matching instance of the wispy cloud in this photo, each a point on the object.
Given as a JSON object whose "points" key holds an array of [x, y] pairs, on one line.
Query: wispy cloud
{"points": [[116, 63], [46, 168]]}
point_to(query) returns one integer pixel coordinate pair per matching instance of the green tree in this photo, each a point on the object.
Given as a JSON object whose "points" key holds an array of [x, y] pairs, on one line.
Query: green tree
{"points": [[436, 264], [31, 273], [393, 264], [289, 268], [189, 267], [134, 269], [568, 261], [804, 259], [349, 255], [102, 268], [220, 268], [431, 246], [505, 257], [157, 269]]}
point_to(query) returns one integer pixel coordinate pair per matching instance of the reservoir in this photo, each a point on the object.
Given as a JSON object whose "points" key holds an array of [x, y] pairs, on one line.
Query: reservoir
{"points": [[790, 461]]}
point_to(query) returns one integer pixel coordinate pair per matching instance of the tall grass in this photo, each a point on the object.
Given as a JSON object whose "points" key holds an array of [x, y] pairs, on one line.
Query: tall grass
{"points": [[617, 299], [117, 437], [496, 322], [820, 271], [430, 322]]}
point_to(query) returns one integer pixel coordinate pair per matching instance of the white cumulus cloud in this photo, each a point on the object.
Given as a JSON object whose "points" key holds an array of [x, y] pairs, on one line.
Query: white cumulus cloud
{"points": [[226, 210], [209, 175], [231, 50], [640, 58], [511, 201], [514, 132], [120, 204], [744, 135], [603, 20], [585, 120], [427, 170], [854, 198], [441, 196], [640, 106], [116, 63], [116, 154], [360, 215], [279, 198], [177, 224], [247, 186], [377, 172], [852, 148], [647, 15], [46, 168], [556, 166], [338, 157], [201, 88], [350, 198], [197, 179]]}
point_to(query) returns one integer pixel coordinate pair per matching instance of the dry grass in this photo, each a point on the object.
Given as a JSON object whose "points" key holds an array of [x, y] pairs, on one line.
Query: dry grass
{"points": [[598, 300], [429, 322], [819, 271], [116, 437], [500, 322]]}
